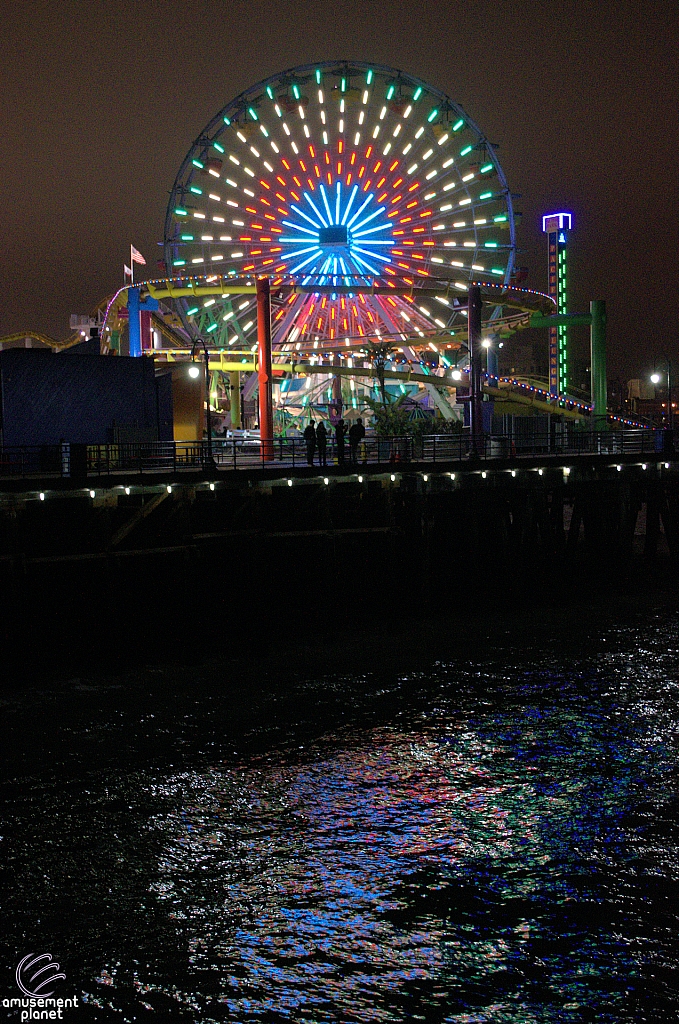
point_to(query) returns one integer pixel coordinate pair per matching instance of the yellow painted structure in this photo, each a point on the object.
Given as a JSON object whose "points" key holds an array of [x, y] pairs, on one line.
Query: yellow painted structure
{"points": [[188, 404]]}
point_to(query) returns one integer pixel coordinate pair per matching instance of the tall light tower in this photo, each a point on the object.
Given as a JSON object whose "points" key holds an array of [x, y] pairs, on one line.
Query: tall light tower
{"points": [[556, 226]]}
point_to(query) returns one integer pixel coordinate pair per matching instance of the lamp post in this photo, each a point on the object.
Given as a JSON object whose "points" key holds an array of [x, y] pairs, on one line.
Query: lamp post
{"points": [[656, 378], [193, 372], [668, 440]]}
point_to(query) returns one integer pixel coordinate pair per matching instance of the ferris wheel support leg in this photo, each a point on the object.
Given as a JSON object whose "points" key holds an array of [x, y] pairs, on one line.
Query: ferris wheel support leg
{"points": [[264, 372]]}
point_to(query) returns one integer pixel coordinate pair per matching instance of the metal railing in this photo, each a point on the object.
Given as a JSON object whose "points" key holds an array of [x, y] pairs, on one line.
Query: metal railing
{"points": [[168, 457]]}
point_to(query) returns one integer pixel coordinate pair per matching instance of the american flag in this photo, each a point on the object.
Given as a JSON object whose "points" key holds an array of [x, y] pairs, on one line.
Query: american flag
{"points": [[136, 256]]}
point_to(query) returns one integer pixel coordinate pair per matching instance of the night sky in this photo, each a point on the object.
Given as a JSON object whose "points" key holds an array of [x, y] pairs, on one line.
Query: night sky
{"points": [[101, 100]]}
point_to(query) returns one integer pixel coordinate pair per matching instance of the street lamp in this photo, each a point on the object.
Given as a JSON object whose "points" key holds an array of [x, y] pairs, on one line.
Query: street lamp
{"points": [[194, 372], [656, 378], [491, 356]]}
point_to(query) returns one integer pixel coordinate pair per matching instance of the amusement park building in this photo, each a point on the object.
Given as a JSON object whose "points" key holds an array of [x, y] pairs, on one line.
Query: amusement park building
{"points": [[88, 399]]}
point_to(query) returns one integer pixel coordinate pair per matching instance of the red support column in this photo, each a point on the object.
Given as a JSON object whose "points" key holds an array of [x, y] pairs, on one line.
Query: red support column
{"points": [[474, 342], [264, 362]]}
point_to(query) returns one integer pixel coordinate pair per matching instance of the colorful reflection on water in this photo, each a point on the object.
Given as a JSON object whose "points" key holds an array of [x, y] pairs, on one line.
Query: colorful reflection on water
{"points": [[500, 847]]}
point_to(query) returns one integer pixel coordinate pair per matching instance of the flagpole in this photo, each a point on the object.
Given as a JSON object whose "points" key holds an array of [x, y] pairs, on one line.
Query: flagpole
{"points": [[131, 265]]}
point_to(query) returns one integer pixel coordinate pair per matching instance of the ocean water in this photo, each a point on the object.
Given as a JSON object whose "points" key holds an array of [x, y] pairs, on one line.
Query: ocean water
{"points": [[481, 837]]}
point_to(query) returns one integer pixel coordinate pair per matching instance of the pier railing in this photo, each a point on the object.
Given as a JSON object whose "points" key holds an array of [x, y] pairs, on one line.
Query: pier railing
{"points": [[248, 453]]}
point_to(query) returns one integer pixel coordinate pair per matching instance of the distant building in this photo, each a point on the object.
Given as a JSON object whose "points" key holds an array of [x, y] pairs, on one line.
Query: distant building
{"points": [[645, 401]]}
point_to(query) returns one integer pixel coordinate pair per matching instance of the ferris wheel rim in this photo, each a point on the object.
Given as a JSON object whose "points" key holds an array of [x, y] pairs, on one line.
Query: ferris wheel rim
{"points": [[257, 94]]}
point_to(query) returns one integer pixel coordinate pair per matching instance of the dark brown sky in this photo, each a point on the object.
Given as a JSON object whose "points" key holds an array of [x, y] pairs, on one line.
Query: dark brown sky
{"points": [[100, 100]]}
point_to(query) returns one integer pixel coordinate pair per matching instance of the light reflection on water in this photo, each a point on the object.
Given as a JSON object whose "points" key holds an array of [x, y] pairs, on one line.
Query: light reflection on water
{"points": [[503, 848]]}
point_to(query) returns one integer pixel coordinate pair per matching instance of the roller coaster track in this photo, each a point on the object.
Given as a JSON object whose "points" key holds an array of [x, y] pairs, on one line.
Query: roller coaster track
{"points": [[521, 305]]}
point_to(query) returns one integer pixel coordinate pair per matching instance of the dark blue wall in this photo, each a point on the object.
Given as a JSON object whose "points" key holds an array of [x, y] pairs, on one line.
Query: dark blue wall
{"points": [[45, 398]]}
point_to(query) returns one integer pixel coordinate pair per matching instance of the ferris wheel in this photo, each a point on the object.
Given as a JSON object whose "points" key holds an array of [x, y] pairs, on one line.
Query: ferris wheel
{"points": [[339, 175]]}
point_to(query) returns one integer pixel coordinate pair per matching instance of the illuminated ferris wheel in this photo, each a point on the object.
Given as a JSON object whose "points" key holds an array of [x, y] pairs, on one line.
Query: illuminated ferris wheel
{"points": [[347, 176]]}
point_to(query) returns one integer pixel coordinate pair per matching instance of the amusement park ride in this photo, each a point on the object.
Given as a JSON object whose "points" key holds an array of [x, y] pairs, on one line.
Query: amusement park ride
{"points": [[340, 234]]}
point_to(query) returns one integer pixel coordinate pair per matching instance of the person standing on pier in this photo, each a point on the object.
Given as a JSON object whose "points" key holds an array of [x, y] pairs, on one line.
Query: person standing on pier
{"points": [[310, 438], [322, 442], [340, 434], [356, 435]]}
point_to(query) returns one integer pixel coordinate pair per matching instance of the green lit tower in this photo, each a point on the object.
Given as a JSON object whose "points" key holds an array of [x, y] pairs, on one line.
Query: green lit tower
{"points": [[556, 226]]}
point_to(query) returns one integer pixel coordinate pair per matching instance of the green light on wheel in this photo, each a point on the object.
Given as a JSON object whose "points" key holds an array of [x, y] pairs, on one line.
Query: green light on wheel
{"points": [[295, 91], [496, 270], [212, 327], [187, 238], [218, 147], [486, 195], [490, 245], [178, 263], [343, 85], [318, 76], [190, 312], [390, 91], [197, 191], [253, 113], [417, 93], [369, 77], [180, 213], [269, 92], [467, 149], [458, 124], [434, 113], [486, 168], [197, 163], [500, 220], [227, 120]]}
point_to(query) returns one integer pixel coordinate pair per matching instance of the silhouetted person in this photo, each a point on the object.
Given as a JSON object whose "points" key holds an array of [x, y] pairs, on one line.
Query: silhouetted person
{"points": [[356, 435], [310, 438], [340, 434], [322, 442]]}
